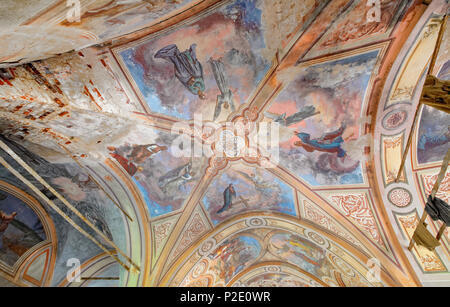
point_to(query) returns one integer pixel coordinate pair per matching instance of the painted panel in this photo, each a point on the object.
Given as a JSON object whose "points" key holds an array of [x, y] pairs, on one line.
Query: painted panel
{"points": [[214, 59], [20, 229], [391, 157], [254, 189], [428, 261], [323, 104], [164, 179]]}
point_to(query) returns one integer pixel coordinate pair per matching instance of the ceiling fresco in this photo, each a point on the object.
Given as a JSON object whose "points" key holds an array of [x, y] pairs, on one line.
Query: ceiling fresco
{"points": [[334, 92], [317, 261], [164, 180], [137, 144], [26, 229], [434, 130], [181, 73], [352, 27], [255, 188], [80, 185], [51, 27], [407, 197], [28, 246]]}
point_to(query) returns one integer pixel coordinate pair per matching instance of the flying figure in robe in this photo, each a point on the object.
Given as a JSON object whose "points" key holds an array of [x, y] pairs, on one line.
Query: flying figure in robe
{"points": [[330, 142], [178, 177], [228, 196], [225, 99], [188, 69], [265, 187], [295, 118], [140, 153]]}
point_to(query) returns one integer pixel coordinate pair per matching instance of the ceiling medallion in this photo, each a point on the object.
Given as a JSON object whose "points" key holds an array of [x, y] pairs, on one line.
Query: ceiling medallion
{"points": [[272, 269], [207, 247], [316, 238], [230, 144], [400, 197], [394, 119], [255, 222]]}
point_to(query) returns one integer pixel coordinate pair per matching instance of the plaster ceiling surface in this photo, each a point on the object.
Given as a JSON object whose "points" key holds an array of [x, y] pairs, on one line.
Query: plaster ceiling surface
{"points": [[145, 121], [40, 29]]}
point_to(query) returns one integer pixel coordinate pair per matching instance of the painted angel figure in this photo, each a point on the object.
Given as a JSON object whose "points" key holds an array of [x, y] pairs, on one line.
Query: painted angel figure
{"points": [[225, 99], [188, 69], [177, 176], [297, 117], [127, 165], [31, 234], [265, 187], [228, 196], [330, 142]]}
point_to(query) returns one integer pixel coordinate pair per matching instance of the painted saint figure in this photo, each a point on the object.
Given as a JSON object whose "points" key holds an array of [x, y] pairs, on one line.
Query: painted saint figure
{"points": [[84, 182], [228, 196], [6, 219], [429, 141], [295, 118], [330, 142], [140, 153], [178, 177], [127, 165], [225, 99], [187, 68]]}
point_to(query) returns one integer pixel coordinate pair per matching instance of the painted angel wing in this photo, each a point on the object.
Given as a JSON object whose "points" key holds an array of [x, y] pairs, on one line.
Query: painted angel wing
{"points": [[303, 114], [219, 75], [274, 116]]}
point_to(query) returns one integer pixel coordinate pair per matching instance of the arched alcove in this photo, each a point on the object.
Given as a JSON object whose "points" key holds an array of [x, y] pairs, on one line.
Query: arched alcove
{"points": [[28, 242]]}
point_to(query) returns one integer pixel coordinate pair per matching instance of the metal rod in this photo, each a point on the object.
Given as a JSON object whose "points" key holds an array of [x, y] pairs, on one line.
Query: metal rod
{"points": [[429, 71], [97, 183], [438, 45], [433, 193], [59, 211], [422, 220], [441, 231], [408, 143], [441, 175]]}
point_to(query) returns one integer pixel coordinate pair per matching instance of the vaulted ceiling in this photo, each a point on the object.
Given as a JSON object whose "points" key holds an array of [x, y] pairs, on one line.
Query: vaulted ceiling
{"points": [[131, 141]]}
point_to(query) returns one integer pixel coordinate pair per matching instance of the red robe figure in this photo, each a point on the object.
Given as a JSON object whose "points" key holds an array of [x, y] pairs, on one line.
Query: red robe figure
{"points": [[130, 167], [140, 153]]}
